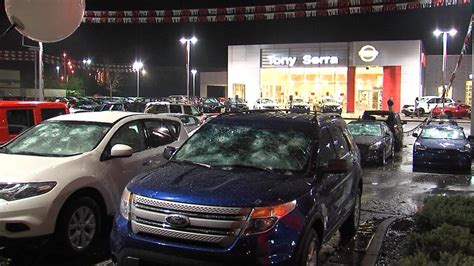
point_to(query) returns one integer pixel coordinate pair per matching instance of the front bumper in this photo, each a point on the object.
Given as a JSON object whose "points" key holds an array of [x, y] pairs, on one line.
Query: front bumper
{"points": [[30, 217], [370, 156], [442, 158], [277, 246]]}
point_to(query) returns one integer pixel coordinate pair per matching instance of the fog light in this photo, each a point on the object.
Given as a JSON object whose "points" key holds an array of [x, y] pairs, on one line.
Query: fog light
{"points": [[16, 227]]}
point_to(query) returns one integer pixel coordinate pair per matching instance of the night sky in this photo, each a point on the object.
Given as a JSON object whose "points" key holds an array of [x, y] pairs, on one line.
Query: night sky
{"points": [[159, 48]]}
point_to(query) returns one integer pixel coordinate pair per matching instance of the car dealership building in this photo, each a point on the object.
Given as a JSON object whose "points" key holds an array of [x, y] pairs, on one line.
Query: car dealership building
{"points": [[361, 75]]}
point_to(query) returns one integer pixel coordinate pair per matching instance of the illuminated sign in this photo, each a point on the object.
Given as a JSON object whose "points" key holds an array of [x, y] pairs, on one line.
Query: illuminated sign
{"points": [[290, 61], [368, 53]]}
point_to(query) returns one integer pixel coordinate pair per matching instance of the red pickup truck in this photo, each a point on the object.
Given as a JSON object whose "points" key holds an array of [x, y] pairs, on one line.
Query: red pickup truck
{"points": [[16, 116]]}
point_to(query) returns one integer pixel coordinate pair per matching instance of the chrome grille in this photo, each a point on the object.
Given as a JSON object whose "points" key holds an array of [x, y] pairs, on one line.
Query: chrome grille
{"points": [[208, 224]]}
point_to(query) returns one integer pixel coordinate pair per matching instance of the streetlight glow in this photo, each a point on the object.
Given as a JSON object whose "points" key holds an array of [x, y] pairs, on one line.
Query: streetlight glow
{"points": [[453, 32], [188, 42], [57, 68], [437, 32], [137, 65], [87, 61], [194, 71], [143, 72]]}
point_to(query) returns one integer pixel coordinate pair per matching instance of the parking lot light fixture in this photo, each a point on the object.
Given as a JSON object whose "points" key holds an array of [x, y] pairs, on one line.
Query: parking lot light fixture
{"points": [[137, 65]]}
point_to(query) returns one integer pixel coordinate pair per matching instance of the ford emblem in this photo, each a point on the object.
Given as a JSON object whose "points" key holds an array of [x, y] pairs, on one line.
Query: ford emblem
{"points": [[177, 220]]}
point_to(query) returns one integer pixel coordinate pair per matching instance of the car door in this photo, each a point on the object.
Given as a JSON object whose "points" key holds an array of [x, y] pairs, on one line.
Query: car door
{"points": [[388, 139], [335, 188], [121, 170]]}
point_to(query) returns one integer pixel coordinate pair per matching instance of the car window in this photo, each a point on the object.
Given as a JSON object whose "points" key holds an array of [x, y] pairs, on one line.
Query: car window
{"points": [[195, 111], [187, 110], [175, 109], [130, 134], [19, 120], [167, 131], [432, 101], [157, 109], [117, 107], [340, 145], [349, 138], [52, 112], [326, 148], [442, 133]]}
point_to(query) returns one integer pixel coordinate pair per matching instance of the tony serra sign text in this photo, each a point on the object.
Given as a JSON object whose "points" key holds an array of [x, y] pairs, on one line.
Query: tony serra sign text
{"points": [[290, 61]]}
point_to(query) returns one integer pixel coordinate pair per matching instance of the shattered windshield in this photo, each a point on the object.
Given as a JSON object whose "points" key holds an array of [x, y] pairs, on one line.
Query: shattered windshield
{"points": [[59, 139], [369, 129], [223, 145], [442, 133]]}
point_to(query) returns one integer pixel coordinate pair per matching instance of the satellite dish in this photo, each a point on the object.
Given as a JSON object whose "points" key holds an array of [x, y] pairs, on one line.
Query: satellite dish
{"points": [[45, 20]]}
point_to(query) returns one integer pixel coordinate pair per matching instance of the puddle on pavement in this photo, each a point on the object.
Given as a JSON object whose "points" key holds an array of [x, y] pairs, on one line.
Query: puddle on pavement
{"points": [[351, 251]]}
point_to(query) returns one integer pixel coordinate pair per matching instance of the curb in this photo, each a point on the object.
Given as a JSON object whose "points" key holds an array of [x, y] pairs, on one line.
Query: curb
{"points": [[372, 253]]}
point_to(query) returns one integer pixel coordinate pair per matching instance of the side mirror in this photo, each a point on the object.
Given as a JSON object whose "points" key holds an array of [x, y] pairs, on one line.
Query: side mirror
{"points": [[336, 166], [160, 137], [168, 152], [121, 151], [415, 134]]}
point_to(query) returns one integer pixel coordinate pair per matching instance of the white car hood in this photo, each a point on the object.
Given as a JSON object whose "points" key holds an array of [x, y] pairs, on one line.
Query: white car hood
{"points": [[25, 168]]}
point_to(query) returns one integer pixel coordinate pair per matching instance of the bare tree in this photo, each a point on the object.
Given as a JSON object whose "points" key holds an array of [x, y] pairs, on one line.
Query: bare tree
{"points": [[112, 81]]}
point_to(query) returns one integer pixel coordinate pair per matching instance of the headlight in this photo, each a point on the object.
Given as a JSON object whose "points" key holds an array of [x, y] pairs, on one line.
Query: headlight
{"points": [[263, 219], [16, 191], [466, 148], [419, 147], [126, 203], [375, 146]]}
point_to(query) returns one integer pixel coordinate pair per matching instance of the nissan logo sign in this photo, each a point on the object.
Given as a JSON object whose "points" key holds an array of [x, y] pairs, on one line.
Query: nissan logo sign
{"points": [[177, 220], [368, 53]]}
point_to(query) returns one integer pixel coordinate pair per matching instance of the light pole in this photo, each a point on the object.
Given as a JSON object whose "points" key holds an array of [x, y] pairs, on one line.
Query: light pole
{"points": [[57, 71], [136, 67], [188, 43], [194, 71], [437, 33]]}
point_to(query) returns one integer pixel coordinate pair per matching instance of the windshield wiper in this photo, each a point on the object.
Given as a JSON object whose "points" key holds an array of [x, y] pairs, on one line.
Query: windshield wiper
{"points": [[193, 163]]}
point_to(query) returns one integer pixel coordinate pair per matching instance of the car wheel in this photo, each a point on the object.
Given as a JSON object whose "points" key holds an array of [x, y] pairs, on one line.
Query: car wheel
{"points": [[421, 111], [350, 225], [449, 115], [383, 161], [79, 225], [393, 152], [309, 255]]}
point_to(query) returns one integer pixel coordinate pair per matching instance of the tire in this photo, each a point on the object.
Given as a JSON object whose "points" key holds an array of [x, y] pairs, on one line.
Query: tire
{"points": [[392, 154], [383, 161], [309, 255], [421, 111], [79, 225], [449, 115], [350, 225]]}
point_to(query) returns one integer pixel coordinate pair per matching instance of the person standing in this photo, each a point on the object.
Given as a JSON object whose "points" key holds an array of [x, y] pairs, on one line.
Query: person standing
{"points": [[390, 104], [416, 107]]}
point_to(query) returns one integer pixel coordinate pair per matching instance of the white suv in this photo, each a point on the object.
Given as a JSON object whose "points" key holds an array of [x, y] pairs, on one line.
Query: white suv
{"points": [[427, 103], [66, 174]]}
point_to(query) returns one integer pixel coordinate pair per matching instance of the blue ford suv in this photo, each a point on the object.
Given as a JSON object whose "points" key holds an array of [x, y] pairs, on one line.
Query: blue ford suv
{"points": [[247, 188]]}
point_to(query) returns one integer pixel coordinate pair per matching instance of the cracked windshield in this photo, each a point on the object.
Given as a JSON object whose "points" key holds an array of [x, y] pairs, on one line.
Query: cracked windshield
{"points": [[250, 132]]}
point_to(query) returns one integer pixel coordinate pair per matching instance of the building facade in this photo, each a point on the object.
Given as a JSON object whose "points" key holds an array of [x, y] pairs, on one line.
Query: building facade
{"points": [[360, 75]]}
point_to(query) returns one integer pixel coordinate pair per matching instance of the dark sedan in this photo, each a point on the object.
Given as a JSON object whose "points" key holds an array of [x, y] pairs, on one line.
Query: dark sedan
{"points": [[211, 105], [374, 140], [394, 122], [441, 145]]}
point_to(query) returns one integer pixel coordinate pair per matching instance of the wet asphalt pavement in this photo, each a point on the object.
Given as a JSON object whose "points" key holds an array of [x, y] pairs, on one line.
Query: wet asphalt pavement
{"points": [[390, 190]]}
